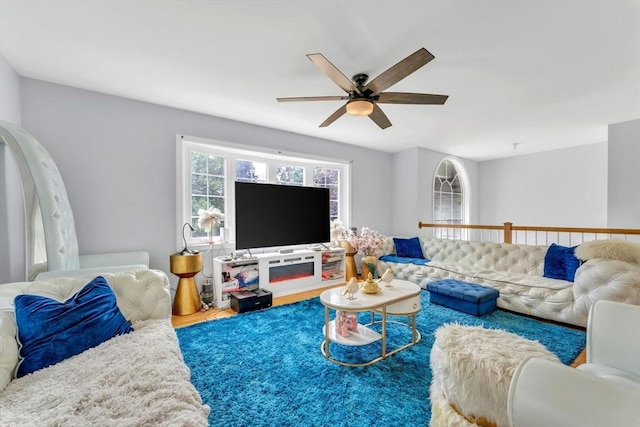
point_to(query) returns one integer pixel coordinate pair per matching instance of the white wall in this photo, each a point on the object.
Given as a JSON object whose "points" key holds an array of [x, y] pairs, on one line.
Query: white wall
{"points": [[566, 187], [413, 173], [117, 159], [12, 246], [623, 203]]}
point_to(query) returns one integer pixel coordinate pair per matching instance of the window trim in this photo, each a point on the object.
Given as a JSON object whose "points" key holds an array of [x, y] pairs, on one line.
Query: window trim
{"points": [[231, 151]]}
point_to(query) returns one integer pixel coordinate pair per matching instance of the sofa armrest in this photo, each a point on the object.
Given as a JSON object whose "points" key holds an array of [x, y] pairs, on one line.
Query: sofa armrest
{"points": [[546, 393], [606, 279], [87, 272], [114, 259], [97, 264]]}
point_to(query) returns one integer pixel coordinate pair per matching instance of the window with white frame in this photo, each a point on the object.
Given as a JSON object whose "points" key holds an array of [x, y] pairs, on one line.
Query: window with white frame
{"points": [[448, 197], [208, 169]]}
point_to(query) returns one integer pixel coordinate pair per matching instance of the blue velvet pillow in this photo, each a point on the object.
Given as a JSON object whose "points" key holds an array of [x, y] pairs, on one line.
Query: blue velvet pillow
{"points": [[408, 248], [561, 263], [50, 331]]}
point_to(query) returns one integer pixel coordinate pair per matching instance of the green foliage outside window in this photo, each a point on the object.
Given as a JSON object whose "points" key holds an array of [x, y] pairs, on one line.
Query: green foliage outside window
{"points": [[207, 186], [329, 178], [293, 175]]}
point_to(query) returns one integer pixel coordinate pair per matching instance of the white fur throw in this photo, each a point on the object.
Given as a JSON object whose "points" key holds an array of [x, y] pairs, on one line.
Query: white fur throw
{"points": [[131, 380], [472, 368], [609, 249]]}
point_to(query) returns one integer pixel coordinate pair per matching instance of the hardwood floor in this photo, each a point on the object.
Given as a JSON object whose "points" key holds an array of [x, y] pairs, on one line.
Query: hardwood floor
{"points": [[217, 313]]}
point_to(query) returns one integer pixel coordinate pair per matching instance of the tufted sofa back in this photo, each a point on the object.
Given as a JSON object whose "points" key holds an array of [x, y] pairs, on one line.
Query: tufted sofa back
{"points": [[141, 295], [523, 259]]}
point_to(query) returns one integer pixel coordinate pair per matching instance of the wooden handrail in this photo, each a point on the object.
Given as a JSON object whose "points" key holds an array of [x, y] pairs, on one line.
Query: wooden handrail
{"points": [[508, 229]]}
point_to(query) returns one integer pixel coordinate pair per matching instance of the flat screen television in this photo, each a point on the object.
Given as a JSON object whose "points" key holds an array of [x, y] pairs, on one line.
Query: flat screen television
{"points": [[269, 215]]}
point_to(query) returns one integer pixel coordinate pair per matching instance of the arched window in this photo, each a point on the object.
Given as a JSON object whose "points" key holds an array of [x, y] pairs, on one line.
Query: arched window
{"points": [[449, 197]]}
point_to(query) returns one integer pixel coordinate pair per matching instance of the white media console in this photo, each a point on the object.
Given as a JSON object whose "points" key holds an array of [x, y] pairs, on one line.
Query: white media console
{"points": [[280, 273]]}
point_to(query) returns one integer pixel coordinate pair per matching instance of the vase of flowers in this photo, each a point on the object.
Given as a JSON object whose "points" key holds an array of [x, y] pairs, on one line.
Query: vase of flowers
{"points": [[210, 219], [368, 242]]}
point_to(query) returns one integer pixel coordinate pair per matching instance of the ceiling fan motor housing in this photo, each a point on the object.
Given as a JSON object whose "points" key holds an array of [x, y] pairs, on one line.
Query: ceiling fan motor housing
{"points": [[360, 79]]}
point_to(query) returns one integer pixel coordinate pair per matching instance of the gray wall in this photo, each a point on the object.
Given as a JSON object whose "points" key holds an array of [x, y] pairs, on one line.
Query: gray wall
{"points": [[12, 246], [117, 159], [623, 202], [413, 173], [566, 187], [9, 92]]}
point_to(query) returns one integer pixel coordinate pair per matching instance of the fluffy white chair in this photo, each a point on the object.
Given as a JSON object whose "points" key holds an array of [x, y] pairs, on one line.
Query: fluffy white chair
{"points": [[471, 370], [613, 342]]}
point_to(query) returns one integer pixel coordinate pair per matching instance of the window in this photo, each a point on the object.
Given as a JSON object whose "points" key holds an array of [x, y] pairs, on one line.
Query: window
{"points": [[207, 186], [207, 170], [250, 171], [290, 175], [329, 178], [449, 197]]}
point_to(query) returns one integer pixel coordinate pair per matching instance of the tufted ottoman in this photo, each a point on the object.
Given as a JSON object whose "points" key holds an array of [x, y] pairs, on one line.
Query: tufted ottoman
{"points": [[463, 296], [471, 370]]}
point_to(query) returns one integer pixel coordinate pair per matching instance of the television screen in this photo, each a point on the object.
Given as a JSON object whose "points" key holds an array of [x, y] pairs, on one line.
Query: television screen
{"points": [[280, 215]]}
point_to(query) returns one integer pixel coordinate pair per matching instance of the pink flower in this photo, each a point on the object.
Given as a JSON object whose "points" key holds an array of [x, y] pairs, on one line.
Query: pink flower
{"points": [[367, 242]]}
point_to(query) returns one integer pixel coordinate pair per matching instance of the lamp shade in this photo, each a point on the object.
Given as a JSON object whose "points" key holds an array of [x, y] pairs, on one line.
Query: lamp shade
{"points": [[359, 107]]}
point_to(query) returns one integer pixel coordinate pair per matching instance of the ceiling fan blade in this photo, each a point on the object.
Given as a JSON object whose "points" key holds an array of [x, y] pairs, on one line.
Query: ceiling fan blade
{"points": [[313, 98], [411, 98], [379, 117], [399, 71], [332, 72], [335, 116]]}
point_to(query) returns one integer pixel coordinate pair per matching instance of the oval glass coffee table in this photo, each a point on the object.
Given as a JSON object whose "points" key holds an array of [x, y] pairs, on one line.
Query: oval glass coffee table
{"points": [[400, 299]]}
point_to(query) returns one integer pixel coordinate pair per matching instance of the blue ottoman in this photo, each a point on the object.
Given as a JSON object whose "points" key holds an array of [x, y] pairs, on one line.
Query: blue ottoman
{"points": [[463, 296]]}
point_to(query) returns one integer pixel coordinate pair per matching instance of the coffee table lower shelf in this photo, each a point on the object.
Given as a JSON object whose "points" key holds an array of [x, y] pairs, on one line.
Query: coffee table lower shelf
{"points": [[363, 336]]}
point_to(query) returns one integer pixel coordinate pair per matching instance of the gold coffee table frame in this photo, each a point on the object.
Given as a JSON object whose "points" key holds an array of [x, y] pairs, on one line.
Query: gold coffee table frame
{"points": [[402, 299]]}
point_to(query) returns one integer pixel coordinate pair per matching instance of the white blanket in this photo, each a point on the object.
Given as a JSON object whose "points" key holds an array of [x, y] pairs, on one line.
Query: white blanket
{"points": [[134, 379]]}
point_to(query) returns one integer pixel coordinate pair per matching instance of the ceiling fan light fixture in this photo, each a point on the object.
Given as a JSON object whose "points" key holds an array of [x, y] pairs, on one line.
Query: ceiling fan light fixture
{"points": [[360, 107]]}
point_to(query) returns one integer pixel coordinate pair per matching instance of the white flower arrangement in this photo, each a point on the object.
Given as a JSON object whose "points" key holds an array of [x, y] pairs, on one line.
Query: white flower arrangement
{"points": [[209, 218], [338, 230]]}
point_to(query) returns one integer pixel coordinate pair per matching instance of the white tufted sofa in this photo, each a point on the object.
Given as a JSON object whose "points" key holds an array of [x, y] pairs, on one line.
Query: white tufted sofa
{"points": [[134, 379], [517, 272]]}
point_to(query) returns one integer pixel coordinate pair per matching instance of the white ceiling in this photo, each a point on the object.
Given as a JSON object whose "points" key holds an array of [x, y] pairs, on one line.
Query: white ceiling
{"points": [[542, 74]]}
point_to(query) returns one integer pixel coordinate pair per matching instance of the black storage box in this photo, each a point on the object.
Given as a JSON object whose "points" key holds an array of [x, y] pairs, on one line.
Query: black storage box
{"points": [[250, 300]]}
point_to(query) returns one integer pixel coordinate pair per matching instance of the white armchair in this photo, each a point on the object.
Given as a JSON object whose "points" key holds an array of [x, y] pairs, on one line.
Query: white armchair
{"points": [[613, 342], [605, 391], [546, 393]]}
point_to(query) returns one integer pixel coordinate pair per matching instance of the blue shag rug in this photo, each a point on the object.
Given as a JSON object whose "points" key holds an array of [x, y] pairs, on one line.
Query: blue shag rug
{"points": [[265, 368]]}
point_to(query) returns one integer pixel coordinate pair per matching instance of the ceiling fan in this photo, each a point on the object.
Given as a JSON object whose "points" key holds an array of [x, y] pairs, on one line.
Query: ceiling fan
{"points": [[363, 98]]}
